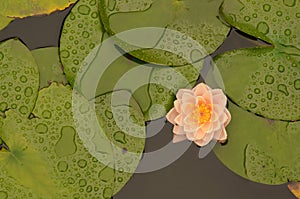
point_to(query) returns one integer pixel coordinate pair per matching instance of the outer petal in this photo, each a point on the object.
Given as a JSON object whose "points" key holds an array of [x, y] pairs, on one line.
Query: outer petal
{"points": [[172, 114], [179, 119], [219, 97], [200, 134], [190, 135], [178, 130], [177, 105], [181, 92], [178, 138], [221, 134], [228, 117]]}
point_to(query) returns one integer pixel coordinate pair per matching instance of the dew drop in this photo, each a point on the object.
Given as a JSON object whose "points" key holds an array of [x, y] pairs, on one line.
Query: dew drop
{"points": [[267, 7], [66, 143], [23, 110], [269, 79], [64, 54], [120, 137], [82, 163], [256, 90], [287, 32], [106, 174], [85, 34], [28, 92], [62, 166], [82, 183], [46, 114], [281, 68], [253, 105], [89, 189], [247, 18], [108, 114], [297, 84], [3, 106], [269, 95], [23, 79], [107, 192], [41, 128], [289, 3], [83, 9], [282, 88], [263, 27]]}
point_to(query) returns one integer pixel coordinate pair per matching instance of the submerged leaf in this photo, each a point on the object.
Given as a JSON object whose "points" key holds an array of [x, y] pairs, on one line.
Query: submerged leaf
{"points": [[195, 19], [81, 33], [261, 150], [19, 77], [49, 66]]}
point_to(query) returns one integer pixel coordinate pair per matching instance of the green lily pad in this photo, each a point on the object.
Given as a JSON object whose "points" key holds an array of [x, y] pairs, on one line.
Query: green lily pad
{"points": [[276, 22], [4, 21], [196, 19], [19, 78], [153, 87], [20, 9], [263, 80], [49, 65], [122, 121], [261, 150], [81, 32], [51, 135]]}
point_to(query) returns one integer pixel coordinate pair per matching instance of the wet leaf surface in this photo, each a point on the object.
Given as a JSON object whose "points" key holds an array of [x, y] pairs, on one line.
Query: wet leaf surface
{"points": [[49, 65], [261, 150], [19, 78], [81, 33], [197, 19]]}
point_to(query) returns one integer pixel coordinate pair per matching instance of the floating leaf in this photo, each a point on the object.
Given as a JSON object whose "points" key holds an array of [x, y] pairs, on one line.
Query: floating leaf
{"points": [[122, 121], [81, 33], [52, 136], [261, 150], [294, 187], [49, 66], [276, 22], [19, 77], [263, 80], [196, 19], [4, 21], [20, 9]]}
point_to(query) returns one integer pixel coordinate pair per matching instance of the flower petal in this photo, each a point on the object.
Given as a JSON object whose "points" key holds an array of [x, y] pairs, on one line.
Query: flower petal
{"points": [[219, 97], [220, 134], [190, 135], [178, 130], [200, 89], [201, 142], [177, 106], [178, 138], [188, 98], [187, 108], [200, 134], [179, 119], [229, 117], [172, 114], [182, 91]]}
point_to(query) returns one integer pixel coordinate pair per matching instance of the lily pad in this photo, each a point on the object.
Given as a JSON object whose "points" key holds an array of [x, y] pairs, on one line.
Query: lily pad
{"points": [[122, 121], [81, 32], [195, 19], [49, 66], [263, 80], [51, 135], [153, 87], [19, 78], [276, 22], [261, 150], [16, 9]]}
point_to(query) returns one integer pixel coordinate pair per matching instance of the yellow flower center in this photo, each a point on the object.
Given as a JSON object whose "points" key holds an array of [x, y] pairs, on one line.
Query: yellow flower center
{"points": [[202, 113]]}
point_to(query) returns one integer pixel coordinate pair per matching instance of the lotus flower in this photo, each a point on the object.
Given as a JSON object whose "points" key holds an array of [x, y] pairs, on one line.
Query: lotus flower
{"points": [[199, 115]]}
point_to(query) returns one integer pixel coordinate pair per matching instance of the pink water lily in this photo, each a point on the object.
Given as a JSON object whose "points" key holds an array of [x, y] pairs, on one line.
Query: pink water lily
{"points": [[199, 115]]}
